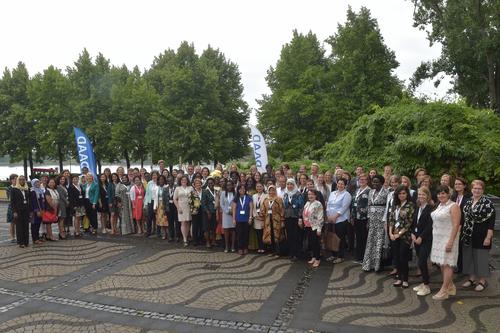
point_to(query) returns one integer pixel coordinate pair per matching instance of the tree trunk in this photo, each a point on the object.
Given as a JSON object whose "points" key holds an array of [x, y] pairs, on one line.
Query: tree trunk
{"points": [[497, 88], [61, 157], [25, 166], [99, 166], [127, 158], [142, 162], [171, 168], [30, 160], [215, 163]]}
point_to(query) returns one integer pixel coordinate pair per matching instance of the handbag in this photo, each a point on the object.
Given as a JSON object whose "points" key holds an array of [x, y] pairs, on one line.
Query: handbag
{"points": [[49, 216]]}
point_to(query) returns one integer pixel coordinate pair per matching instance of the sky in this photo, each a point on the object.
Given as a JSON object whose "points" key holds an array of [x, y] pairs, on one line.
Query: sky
{"points": [[249, 33]]}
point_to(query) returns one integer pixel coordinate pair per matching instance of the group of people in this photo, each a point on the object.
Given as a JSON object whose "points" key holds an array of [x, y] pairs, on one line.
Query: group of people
{"points": [[380, 218]]}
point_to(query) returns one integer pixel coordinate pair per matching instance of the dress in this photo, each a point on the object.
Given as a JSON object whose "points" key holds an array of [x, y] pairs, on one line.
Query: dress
{"points": [[63, 200], [122, 196], [441, 231], [182, 196], [161, 214], [376, 232], [226, 200], [137, 200]]}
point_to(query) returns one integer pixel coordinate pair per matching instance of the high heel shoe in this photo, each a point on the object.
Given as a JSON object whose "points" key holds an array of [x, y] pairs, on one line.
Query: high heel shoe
{"points": [[440, 296], [316, 264], [452, 290]]}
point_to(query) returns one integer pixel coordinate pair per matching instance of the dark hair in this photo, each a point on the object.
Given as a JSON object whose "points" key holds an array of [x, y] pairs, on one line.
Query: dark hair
{"points": [[162, 177], [13, 176], [252, 184], [58, 180], [379, 177], [401, 188], [343, 181], [186, 178], [229, 181], [237, 195], [117, 177], [442, 188], [105, 181], [463, 181], [316, 193], [234, 173]]}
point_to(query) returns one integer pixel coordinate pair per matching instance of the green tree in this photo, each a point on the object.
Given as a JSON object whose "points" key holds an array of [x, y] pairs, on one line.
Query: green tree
{"points": [[291, 117], [50, 95], [440, 137], [18, 135], [133, 102], [469, 32], [200, 104]]}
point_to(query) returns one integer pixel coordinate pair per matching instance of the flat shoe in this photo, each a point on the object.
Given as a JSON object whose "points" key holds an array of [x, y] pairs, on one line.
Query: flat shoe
{"points": [[480, 287]]}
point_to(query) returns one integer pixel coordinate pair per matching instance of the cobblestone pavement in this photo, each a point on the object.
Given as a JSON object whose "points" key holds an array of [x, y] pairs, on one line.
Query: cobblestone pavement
{"points": [[132, 284]]}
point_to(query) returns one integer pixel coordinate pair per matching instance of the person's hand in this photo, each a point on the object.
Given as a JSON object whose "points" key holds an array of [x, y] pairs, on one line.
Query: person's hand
{"points": [[391, 236], [448, 247], [234, 222], [180, 211], [487, 241], [93, 206], [413, 238], [15, 215], [318, 232], [418, 241], [209, 215], [110, 205]]}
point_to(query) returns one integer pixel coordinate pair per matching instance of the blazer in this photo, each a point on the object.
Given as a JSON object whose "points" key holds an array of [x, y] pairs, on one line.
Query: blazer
{"points": [[422, 227], [74, 197], [93, 193]]}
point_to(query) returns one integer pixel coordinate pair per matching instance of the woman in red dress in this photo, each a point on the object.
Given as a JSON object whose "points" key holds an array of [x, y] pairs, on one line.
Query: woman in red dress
{"points": [[137, 200]]}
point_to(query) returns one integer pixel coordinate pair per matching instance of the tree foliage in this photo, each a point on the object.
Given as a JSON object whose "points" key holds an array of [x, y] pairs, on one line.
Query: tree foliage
{"points": [[437, 136], [469, 32]]}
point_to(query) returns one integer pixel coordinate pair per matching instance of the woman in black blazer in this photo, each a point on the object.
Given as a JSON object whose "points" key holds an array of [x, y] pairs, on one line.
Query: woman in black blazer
{"points": [[421, 234], [460, 195]]}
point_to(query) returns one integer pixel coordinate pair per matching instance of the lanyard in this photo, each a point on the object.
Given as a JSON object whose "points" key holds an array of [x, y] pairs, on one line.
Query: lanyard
{"points": [[243, 202], [258, 200], [358, 193], [373, 200], [212, 193], [420, 210], [397, 211]]}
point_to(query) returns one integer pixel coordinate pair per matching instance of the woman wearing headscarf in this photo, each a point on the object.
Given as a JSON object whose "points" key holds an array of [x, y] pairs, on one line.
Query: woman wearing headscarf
{"points": [[293, 203], [37, 207], [124, 206], [477, 235], [21, 209], [273, 213]]}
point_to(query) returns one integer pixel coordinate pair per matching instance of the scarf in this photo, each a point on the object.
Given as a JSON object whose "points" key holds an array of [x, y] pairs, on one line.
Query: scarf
{"points": [[295, 189], [22, 188], [480, 213], [37, 189]]}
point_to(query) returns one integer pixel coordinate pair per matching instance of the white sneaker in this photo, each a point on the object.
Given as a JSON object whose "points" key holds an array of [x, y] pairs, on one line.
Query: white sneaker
{"points": [[424, 290], [417, 288]]}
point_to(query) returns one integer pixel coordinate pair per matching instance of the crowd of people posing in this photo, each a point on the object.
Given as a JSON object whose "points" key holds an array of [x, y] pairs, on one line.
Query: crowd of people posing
{"points": [[380, 218]]}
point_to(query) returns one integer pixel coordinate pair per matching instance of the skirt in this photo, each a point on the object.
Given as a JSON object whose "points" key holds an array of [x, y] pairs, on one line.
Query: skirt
{"points": [[475, 261]]}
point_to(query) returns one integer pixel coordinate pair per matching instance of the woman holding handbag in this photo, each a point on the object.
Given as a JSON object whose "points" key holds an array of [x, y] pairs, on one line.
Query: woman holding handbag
{"points": [[49, 216]]}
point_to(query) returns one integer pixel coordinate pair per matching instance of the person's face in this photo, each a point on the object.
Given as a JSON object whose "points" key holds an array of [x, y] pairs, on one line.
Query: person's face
{"points": [[340, 186], [174, 173], [22, 180], [154, 177], [142, 172], [420, 175], [234, 177], [210, 183], [204, 173], [90, 178], [387, 170], [125, 179], [422, 197], [62, 181], [249, 182], [257, 177], [137, 181], [402, 196], [289, 173], [107, 172], [459, 186], [289, 187], [311, 196], [243, 178], [259, 188], [269, 169], [302, 169], [37, 184], [13, 181], [443, 197], [162, 165], [230, 186], [102, 178], [359, 170], [44, 180], [477, 191], [184, 181], [310, 186], [120, 171], [405, 182], [425, 183], [241, 191], [272, 191], [190, 169], [66, 173], [282, 182], [376, 184], [394, 184], [269, 182], [85, 170], [372, 173], [114, 178], [75, 180], [362, 181], [161, 181], [197, 184], [445, 180], [314, 169], [303, 180], [51, 184]]}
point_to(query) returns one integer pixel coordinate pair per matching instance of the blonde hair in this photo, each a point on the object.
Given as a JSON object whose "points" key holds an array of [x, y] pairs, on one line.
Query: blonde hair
{"points": [[427, 193], [478, 182]]}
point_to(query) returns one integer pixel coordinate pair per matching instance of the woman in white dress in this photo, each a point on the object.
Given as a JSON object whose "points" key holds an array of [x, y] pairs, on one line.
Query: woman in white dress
{"points": [[446, 224], [226, 198], [182, 195]]}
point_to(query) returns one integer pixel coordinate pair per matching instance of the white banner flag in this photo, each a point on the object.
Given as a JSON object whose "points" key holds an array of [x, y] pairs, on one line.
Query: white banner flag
{"points": [[259, 149]]}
